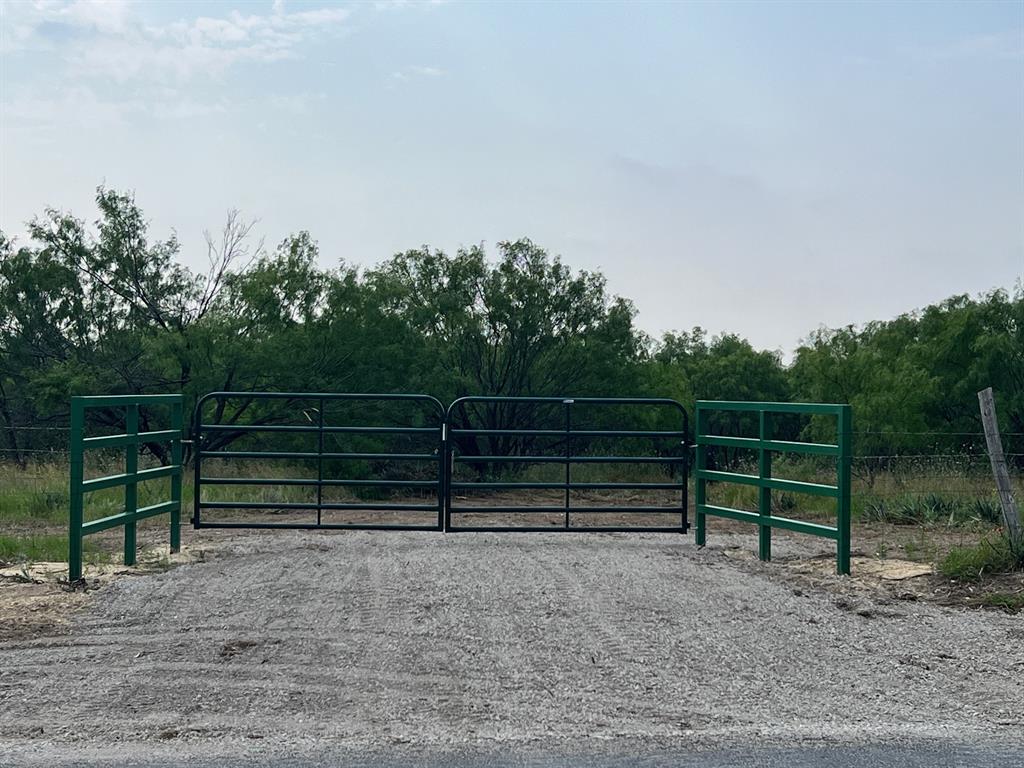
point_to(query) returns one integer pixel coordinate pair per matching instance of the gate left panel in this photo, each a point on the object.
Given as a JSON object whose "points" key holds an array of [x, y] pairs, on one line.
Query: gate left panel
{"points": [[318, 460]]}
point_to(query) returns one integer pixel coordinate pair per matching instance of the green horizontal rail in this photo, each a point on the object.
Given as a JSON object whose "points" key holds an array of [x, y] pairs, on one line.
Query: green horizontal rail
{"points": [[130, 441], [766, 446], [112, 481], [781, 446], [122, 518], [833, 409], [117, 441], [121, 401], [815, 529], [776, 484]]}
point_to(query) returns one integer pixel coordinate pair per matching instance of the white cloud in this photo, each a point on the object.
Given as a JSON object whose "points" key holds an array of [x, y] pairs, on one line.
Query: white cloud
{"points": [[410, 73], [107, 16], [110, 39]]}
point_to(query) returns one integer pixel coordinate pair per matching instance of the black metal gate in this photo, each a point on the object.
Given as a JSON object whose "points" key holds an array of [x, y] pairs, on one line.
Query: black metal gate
{"points": [[455, 470], [497, 438], [329, 442]]}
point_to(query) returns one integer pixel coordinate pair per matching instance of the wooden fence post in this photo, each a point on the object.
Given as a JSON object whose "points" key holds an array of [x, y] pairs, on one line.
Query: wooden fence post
{"points": [[1011, 516]]}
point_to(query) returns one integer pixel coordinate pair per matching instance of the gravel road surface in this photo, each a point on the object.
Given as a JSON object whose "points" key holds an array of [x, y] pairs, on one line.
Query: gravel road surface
{"points": [[506, 649]]}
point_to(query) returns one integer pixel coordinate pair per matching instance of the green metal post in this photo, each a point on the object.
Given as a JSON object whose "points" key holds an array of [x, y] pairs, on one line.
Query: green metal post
{"points": [[844, 462], [764, 494], [131, 488], [700, 489], [76, 515], [178, 424]]}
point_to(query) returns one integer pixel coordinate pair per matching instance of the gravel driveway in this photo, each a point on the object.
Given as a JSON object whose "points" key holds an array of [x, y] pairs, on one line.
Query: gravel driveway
{"points": [[286, 643]]}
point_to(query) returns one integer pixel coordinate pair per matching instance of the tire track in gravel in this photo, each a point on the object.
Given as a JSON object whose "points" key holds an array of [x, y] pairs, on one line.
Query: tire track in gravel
{"points": [[610, 618], [367, 638]]}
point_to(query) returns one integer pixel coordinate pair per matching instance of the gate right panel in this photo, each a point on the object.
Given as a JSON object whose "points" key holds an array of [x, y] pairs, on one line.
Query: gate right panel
{"points": [[570, 464]]}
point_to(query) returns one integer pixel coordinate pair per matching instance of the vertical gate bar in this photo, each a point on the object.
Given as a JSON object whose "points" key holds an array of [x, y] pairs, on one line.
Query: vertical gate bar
{"points": [[177, 424], [764, 493], [568, 455], [76, 513], [845, 460], [684, 491], [131, 488], [449, 476], [320, 463], [442, 463], [700, 489]]}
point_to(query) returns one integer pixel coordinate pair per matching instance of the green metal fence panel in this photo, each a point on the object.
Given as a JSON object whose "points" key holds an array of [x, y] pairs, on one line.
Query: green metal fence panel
{"points": [[129, 479], [766, 446]]}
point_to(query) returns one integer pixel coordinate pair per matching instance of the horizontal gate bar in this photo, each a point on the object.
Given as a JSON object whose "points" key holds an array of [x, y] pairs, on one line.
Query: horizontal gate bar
{"points": [[314, 505], [314, 429], [313, 455], [573, 486], [562, 509], [298, 481], [409, 397], [570, 400], [324, 526], [571, 459], [562, 529], [562, 433]]}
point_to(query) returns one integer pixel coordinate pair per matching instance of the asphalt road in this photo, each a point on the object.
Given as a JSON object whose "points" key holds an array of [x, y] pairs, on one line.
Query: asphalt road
{"points": [[923, 755]]}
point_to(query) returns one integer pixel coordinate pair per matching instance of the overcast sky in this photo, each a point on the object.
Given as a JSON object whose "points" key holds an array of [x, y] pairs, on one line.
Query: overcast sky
{"points": [[758, 168]]}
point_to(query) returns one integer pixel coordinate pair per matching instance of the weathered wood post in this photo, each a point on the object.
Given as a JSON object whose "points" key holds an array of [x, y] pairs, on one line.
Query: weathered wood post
{"points": [[1011, 516]]}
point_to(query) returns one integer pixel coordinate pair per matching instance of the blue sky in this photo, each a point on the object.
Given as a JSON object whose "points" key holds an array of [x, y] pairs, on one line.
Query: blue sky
{"points": [[759, 168]]}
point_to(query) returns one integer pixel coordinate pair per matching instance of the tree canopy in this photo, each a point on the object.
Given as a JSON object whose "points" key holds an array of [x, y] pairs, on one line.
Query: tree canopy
{"points": [[110, 309]]}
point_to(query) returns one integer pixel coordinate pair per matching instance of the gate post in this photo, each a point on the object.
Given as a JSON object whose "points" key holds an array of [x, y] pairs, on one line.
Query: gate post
{"points": [[845, 461], [701, 488], [76, 516], [764, 493]]}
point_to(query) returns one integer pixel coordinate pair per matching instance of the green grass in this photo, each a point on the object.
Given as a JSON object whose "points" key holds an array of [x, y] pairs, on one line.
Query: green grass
{"points": [[933, 509], [1011, 602], [34, 548], [34, 502], [991, 555]]}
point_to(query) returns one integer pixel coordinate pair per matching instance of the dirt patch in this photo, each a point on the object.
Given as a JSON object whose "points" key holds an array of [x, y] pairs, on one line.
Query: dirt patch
{"points": [[37, 601]]}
